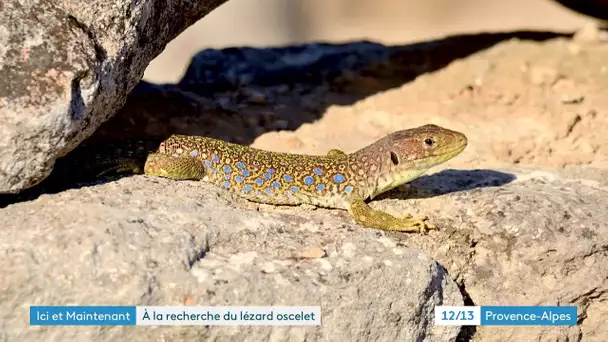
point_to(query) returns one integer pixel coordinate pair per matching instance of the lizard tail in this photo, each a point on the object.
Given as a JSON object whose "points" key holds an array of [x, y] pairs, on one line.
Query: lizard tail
{"points": [[90, 161]]}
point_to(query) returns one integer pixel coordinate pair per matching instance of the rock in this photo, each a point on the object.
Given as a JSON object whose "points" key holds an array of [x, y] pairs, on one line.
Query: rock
{"points": [[516, 236], [539, 239], [147, 241], [66, 67], [589, 34]]}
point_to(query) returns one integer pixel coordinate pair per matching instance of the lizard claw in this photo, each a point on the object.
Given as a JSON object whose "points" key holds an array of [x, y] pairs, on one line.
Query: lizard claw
{"points": [[419, 221]]}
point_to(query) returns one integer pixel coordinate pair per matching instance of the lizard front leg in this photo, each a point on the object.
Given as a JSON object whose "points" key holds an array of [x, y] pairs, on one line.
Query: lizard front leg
{"points": [[368, 217], [177, 168]]}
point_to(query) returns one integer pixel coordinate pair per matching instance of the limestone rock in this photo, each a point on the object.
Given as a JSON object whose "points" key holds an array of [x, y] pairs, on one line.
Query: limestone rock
{"points": [[67, 66], [146, 241]]}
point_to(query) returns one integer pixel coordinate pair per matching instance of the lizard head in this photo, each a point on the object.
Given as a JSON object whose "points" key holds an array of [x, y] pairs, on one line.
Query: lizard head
{"points": [[405, 155], [423, 147]]}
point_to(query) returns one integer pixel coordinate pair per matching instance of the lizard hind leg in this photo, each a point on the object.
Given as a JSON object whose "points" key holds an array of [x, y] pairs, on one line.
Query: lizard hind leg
{"points": [[177, 168], [366, 216], [120, 165]]}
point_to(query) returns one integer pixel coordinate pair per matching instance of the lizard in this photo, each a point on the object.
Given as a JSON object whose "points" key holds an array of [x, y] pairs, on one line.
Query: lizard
{"points": [[336, 180]]}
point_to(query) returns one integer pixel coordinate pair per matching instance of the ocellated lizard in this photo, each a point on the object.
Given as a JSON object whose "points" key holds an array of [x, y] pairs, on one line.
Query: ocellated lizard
{"points": [[337, 180]]}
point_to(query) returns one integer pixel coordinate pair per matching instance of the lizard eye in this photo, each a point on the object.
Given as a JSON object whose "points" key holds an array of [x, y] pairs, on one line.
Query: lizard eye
{"points": [[394, 158], [429, 142]]}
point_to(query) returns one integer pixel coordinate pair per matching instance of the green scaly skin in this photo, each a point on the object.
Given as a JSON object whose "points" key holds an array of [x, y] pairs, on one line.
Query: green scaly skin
{"points": [[338, 180]]}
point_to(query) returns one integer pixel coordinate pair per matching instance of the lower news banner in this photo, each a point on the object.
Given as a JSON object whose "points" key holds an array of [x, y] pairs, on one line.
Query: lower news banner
{"points": [[506, 315], [175, 315]]}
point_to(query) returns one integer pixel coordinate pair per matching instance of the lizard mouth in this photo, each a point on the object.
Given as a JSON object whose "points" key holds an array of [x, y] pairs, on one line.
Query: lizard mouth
{"points": [[410, 173], [455, 151], [439, 158]]}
